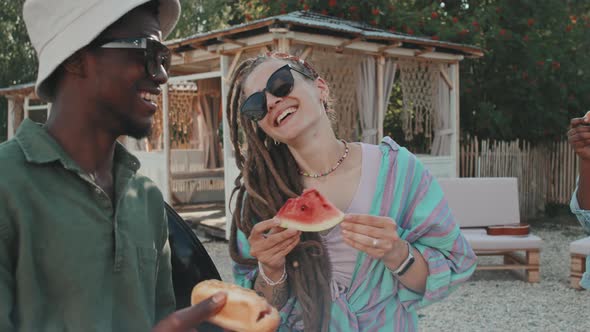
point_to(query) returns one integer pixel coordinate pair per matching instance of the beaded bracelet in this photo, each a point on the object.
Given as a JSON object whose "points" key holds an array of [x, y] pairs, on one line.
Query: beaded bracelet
{"points": [[267, 279]]}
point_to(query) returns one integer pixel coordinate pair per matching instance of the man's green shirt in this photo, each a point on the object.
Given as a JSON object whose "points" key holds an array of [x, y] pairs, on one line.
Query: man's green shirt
{"points": [[70, 260]]}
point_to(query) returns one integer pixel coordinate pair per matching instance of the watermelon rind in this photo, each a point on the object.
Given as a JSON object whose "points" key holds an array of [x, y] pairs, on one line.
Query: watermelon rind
{"points": [[327, 224]]}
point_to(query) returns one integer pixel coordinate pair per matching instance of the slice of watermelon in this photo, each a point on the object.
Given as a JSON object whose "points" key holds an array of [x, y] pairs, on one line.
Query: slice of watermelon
{"points": [[310, 212]]}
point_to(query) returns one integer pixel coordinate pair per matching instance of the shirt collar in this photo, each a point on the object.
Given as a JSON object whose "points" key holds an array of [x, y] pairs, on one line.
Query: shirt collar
{"points": [[40, 148]]}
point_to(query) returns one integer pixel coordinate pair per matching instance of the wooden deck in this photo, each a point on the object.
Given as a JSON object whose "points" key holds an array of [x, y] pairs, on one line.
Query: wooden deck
{"points": [[208, 218]]}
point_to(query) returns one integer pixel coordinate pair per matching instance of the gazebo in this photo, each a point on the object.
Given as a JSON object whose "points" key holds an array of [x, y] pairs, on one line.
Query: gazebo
{"points": [[361, 64]]}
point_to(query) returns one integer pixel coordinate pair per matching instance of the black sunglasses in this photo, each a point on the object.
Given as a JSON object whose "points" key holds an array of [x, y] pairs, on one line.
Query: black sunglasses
{"points": [[279, 84], [157, 55]]}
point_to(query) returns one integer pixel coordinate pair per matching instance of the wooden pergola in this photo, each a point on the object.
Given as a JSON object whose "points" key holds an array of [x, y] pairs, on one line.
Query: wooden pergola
{"points": [[343, 52]]}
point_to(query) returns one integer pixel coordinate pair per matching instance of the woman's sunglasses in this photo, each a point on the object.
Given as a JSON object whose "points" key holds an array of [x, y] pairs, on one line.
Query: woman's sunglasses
{"points": [[157, 55], [279, 84]]}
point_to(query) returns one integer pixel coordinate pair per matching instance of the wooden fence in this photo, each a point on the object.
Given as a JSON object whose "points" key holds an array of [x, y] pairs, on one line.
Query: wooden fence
{"points": [[546, 173]]}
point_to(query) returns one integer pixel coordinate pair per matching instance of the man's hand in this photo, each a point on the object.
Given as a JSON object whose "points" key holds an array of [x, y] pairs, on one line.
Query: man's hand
{"points": [[186, 319], [579, 136]]}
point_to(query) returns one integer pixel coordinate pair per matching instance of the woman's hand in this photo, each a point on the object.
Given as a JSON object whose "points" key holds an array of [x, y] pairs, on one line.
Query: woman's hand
{"points": [[270, 244], [376, 236]]}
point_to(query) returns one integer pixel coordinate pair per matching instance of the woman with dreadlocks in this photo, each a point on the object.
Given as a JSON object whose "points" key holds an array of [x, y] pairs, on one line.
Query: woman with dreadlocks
{"points": [[398, 247]]}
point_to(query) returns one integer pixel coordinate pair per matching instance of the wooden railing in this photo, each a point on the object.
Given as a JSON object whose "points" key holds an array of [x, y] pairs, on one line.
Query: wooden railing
{"points": [[546, 172]]}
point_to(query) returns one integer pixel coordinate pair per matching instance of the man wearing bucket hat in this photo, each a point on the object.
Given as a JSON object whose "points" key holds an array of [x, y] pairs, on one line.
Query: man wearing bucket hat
{"points": [[83, 237]]}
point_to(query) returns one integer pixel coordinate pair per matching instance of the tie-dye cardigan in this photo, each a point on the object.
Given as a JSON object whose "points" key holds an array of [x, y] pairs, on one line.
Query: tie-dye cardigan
{"points": [[375, 300]]}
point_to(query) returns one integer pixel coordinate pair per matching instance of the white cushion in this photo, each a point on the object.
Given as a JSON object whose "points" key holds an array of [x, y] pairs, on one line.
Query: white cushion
{"points": [[480, 240], [581, 246], [479, 202]]}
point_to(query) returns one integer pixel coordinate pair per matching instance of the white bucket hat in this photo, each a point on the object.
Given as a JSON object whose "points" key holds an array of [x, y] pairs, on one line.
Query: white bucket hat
{"points": [[58, 29]]}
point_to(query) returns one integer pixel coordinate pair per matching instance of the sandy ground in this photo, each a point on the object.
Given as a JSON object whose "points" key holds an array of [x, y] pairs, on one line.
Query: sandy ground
{"points": [[499, 301]]}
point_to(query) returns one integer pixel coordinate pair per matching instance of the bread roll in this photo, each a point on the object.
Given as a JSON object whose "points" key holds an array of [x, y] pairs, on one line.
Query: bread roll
{"points": [[244, 310]]}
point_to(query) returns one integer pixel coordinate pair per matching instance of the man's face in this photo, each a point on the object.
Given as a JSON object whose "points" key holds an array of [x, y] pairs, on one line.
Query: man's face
{"points": [[124, 91]]}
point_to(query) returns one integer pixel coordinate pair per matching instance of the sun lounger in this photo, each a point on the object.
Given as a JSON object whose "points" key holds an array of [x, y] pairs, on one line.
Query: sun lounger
{"points": [[478, 203]]}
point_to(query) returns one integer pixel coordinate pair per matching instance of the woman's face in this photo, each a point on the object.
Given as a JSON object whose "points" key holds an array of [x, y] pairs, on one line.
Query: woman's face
{"points": [[290, 116]]}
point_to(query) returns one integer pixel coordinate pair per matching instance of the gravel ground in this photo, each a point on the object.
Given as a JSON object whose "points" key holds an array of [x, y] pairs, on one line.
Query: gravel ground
{"points": [[498, 300]]}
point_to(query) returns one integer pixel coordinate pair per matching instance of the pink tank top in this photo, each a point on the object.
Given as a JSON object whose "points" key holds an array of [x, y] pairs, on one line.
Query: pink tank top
{"points": [[342, 256]]}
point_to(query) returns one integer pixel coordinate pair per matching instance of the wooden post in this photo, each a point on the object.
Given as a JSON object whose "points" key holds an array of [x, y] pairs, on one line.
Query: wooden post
{"points": [[380, 94], [11, 118], [454, 109], [284, 45], [532, 274], [229, 164], [166, 138], [26, 108]]}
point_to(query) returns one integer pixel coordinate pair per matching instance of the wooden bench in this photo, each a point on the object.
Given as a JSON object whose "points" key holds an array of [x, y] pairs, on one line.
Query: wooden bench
{"points": [[480, 202], [579, 250]]}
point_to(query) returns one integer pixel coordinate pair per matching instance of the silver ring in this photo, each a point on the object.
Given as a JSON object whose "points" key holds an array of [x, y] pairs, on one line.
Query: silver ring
{"points": [[375, 242]]}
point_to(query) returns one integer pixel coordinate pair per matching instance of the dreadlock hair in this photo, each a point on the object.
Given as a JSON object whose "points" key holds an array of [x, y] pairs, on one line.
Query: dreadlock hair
{"points": [[268, 177]]}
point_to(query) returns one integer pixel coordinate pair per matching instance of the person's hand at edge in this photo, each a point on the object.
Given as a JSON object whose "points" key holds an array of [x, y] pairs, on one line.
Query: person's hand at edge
{"points": [[186, 319]]}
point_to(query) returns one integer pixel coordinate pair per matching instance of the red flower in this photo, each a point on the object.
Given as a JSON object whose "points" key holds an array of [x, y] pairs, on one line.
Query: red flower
{"points": [[324, 12], [455, 20], [502, 32], [248, 17], [540, 63], [434, 15], [530, 22], [409, 31], [306, 7], [373, 22], [376, 11], [569, 28], [556, 65], [353, 9], [392, 29], [574, 19], [283, 11], [463, 32], [475, 24], [332, 3], [435, 38]]}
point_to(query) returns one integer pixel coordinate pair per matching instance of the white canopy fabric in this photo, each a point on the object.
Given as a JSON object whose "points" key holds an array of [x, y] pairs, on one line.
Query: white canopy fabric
{"points": [[367, 96]]}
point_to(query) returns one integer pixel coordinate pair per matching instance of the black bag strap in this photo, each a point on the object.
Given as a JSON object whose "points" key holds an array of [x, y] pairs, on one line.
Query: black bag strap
{"points": [[191, 263]]}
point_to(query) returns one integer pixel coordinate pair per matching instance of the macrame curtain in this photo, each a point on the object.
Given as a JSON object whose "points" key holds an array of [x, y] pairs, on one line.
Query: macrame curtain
{"points": [[341, 72], [420, 87], [180, 113], [367, 96]]}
